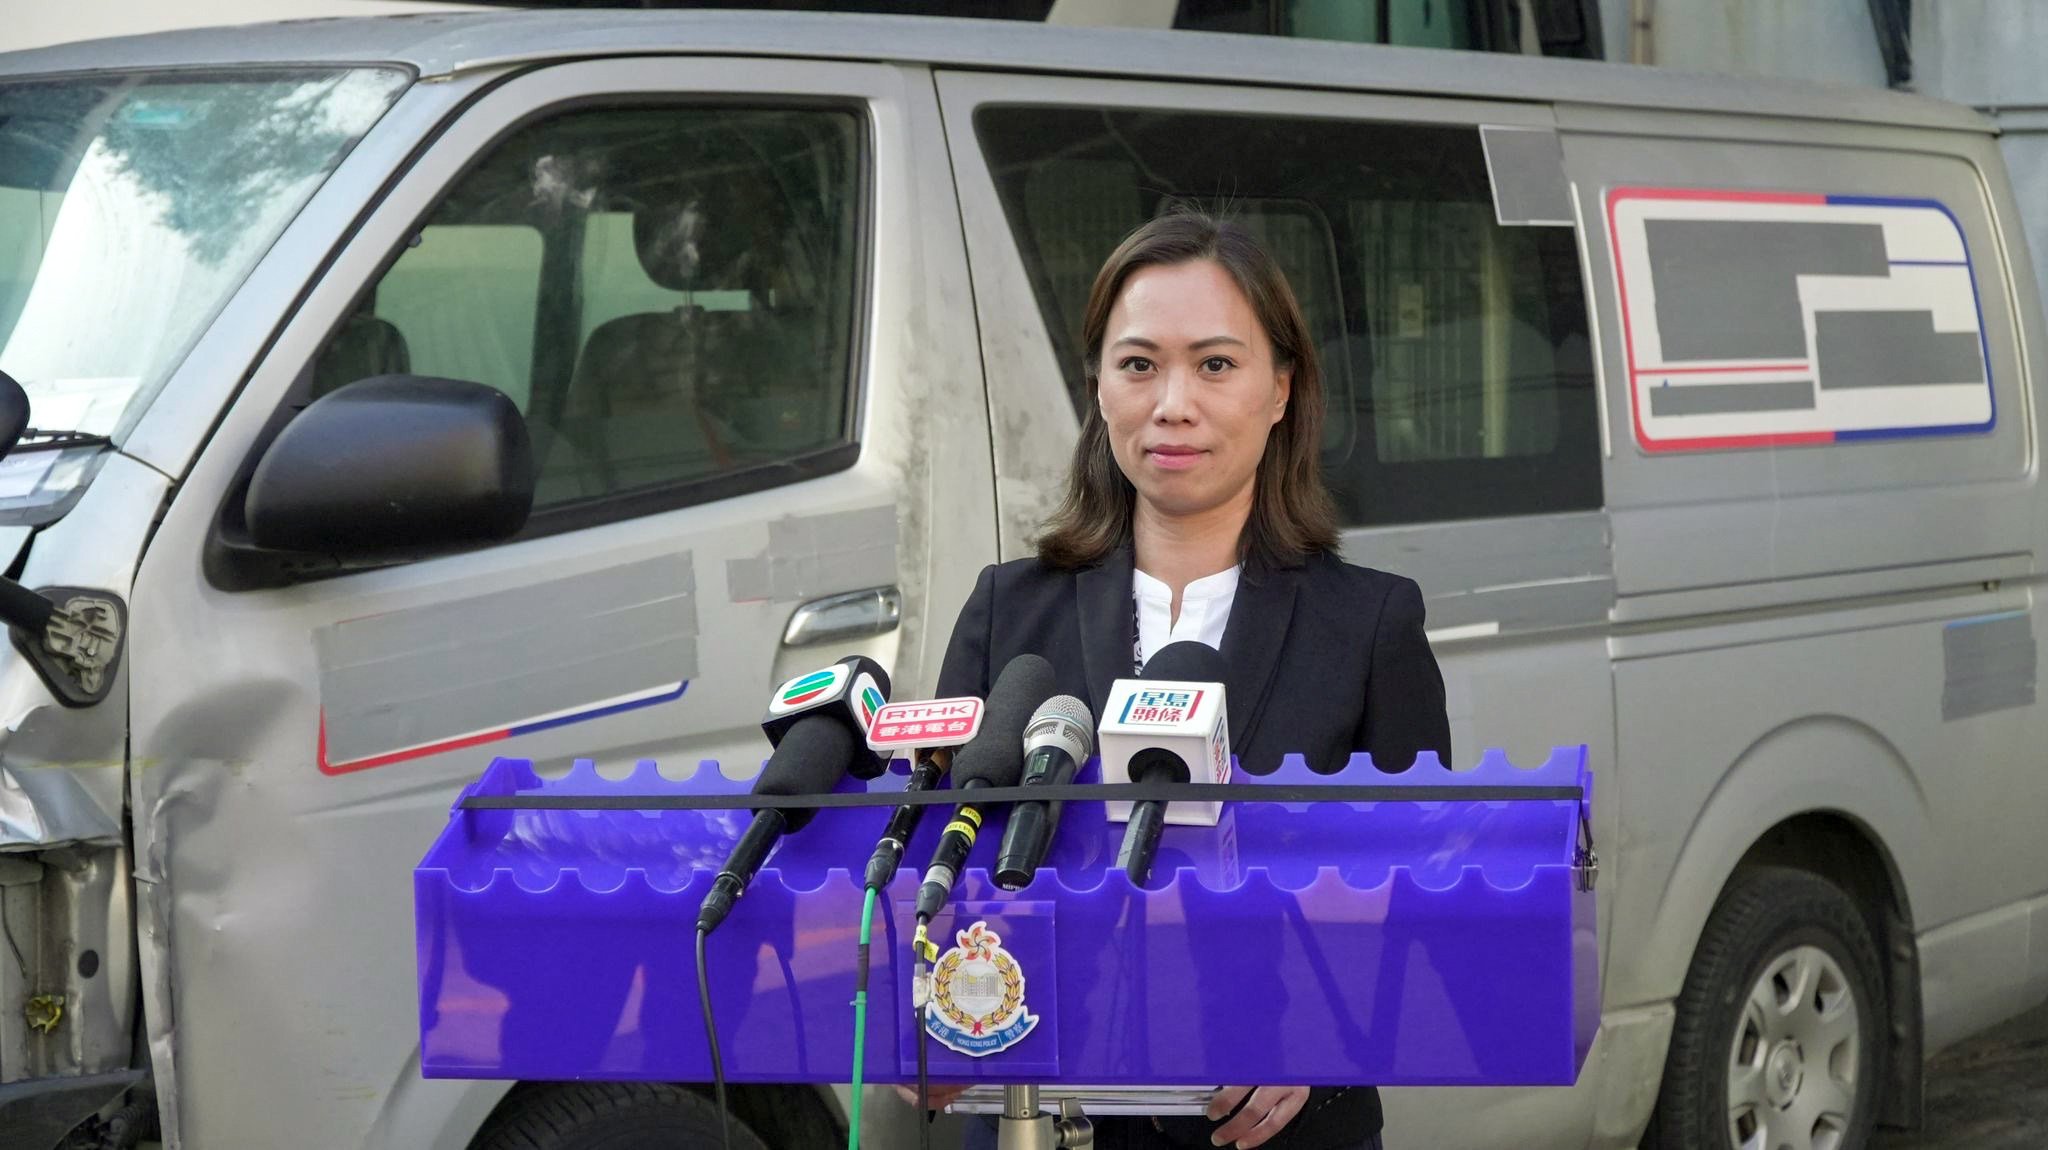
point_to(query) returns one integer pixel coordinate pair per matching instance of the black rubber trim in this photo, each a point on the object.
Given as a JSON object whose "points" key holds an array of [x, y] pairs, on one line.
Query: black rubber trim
{"points": [[1065, 792]]}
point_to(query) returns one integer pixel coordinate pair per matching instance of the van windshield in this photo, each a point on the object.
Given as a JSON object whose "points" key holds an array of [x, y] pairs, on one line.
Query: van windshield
{"points": [[131, 208]]}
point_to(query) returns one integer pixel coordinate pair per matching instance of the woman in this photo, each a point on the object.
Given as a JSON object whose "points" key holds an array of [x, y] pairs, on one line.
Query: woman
{"points": [[1195, 509]]}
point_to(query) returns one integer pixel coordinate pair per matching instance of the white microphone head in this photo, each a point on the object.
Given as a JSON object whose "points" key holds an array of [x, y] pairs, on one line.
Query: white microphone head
{"points": [[1146, 719], [1064, 722]]}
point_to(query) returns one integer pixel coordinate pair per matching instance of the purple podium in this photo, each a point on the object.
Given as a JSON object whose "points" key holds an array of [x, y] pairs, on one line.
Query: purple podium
{"points": [[1398, 943]]}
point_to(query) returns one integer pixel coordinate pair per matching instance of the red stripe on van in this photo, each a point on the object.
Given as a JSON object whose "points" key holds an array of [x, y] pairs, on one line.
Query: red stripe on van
{"points": [[1756, 367], [1710, 443], [328, 768]]}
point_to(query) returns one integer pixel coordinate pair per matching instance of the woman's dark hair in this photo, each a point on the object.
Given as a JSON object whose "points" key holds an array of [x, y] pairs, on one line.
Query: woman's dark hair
{"points": [[1292, 515]]}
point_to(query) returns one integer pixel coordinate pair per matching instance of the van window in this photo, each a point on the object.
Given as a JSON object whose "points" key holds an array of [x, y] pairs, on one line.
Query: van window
{"points": [[460, 304], [1457, 368], [669, 294]]}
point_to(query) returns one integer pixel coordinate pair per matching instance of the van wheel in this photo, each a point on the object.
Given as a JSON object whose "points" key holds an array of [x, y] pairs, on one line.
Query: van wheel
{"points": [[1778, 1040], [608, 1116]]}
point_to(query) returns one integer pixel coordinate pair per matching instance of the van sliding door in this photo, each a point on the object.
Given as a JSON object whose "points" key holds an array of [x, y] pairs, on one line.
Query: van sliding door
{"points": [[1828, 525], [1461, 436]]}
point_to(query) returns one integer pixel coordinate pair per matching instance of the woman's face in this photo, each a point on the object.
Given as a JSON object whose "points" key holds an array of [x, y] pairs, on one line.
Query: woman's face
{"points": [[1188, 387]]}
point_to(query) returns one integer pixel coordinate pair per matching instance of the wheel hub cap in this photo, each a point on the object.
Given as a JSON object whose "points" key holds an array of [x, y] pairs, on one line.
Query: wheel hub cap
{"points": [[1792, 1066], [1784, 1073]]}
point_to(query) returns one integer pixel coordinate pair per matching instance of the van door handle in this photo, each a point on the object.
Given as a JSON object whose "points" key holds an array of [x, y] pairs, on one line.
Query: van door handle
{"points": [[875, 611]]}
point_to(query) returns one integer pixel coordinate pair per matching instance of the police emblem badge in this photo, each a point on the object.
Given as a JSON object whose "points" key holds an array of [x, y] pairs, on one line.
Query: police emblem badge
{"points": [[977, 995]]}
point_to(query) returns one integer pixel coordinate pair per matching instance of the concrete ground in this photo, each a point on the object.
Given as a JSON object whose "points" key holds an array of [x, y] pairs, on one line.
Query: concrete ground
{"points": [[1990, 1093]]}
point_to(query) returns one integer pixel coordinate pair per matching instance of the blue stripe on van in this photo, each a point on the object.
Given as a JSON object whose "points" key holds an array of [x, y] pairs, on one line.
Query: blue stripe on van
{"points": [[1976, 301]]}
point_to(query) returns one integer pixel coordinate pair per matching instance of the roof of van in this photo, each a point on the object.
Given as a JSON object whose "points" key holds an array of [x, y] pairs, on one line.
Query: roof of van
{"points": [[441, 44]]}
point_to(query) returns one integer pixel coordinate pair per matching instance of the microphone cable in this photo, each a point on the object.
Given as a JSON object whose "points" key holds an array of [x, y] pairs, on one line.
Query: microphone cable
{"points": [[881, 870], [860, 1014], [711, 1036], [920, 1000]]}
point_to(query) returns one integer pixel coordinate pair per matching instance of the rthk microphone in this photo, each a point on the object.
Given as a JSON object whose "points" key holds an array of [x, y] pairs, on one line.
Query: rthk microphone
{"points": [[1055, 744], [994, 759], [924, 727], [818, 724], [1168, 726]]}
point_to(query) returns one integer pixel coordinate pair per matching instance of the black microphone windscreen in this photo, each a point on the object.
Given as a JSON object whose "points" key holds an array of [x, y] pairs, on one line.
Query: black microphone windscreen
{"points": [[811, 759], [995, 757], [1187, 662]]}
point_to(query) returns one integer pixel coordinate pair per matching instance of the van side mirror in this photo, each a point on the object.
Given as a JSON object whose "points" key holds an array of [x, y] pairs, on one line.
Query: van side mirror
{"points": [[13, 413], [394, 467], [72, 636]]}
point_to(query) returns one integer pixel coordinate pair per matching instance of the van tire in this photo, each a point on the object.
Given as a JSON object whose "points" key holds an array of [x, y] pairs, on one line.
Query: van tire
{"points": [[608, 1116], [1768, 917]]}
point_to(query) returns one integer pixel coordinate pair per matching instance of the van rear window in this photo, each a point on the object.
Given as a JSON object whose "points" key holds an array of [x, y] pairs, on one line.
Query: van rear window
{"points": [[1457, 368]]}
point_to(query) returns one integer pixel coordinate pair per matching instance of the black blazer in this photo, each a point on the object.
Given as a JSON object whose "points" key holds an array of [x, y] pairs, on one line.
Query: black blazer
{"points": [[1324, 659]]}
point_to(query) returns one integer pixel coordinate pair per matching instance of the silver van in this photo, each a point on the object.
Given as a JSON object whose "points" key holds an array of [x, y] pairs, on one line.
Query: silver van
{"points": [[1702, 409]]}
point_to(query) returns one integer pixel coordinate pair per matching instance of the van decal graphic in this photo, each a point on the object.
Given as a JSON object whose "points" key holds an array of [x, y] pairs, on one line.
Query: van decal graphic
{"points": [[1757, 319], [543, 723], [1988, 664], [811, 555], [487, 664]]}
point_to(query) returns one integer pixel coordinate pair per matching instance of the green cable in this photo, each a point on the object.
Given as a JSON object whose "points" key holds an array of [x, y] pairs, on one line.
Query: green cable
{"points": [[860, 1017]]}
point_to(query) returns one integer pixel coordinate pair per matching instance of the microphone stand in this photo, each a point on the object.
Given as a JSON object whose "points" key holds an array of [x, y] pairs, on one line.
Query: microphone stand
{"points": [[1024, 1126]]}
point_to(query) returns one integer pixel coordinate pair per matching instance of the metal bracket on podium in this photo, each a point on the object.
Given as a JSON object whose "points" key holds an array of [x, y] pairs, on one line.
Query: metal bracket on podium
{"points": [[1026, 1126], [1585, 859]]}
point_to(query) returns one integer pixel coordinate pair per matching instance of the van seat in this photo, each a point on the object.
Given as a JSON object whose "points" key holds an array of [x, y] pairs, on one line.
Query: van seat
{"points": [[692, 390], [633, 414]]}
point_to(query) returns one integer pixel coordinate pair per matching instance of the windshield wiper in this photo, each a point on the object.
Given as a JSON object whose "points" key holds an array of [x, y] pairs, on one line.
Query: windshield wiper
{"points": [[39, 439]]}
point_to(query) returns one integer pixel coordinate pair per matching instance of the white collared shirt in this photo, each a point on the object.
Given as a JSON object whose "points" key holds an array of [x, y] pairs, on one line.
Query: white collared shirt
{"points": [[1204, 610]]}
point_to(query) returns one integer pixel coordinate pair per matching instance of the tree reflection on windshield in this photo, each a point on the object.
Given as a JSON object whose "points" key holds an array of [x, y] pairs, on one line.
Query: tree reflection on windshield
{"points": [[132, 208], [221, 156]]}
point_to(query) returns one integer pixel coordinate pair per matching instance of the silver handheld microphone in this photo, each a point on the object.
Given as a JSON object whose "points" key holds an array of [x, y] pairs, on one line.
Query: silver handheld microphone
{"points": [[1056, 742]]}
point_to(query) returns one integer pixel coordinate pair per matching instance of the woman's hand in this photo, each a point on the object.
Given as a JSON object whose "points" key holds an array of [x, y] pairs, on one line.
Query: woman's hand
{"points": [[1270, 1110], [942, 1093]]}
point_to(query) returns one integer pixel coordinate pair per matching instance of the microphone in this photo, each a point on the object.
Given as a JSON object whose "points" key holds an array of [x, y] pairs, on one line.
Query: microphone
{"points": [[994, 759], [1058, 739], [818, 726], [852, 690], [1169, 725], [927, 727]]}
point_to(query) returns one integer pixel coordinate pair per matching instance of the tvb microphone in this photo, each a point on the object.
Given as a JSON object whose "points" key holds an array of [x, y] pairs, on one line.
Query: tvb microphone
{"points": [[932, 729], [1055, 743], [1170, 725], [818, 726], [994, 759]]}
